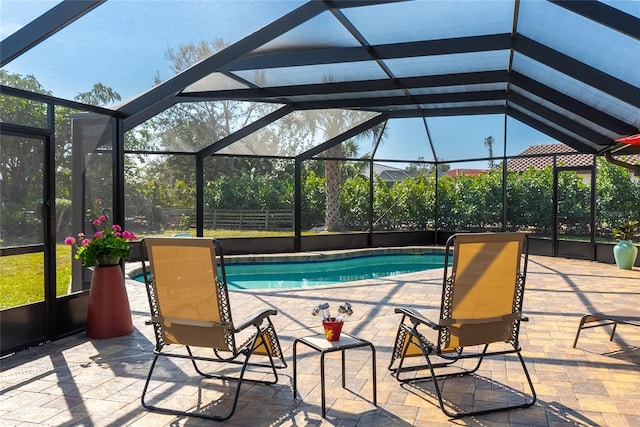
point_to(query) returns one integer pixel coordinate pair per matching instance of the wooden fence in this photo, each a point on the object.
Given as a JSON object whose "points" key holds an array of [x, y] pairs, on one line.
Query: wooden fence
{"points": [[273, 220]]}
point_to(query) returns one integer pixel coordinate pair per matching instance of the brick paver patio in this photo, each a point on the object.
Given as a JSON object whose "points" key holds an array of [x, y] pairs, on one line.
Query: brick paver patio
{"points": [[76, 381]]}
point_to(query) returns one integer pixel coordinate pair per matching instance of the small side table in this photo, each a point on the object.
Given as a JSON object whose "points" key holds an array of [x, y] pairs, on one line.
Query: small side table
{"points": [[320, 343]]}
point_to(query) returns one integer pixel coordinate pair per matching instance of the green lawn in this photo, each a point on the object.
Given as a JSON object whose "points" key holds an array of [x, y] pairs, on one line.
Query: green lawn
{"points": [[22, 279]]}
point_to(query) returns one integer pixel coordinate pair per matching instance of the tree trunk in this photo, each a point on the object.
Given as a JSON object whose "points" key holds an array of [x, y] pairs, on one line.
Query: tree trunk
{"points": [[332, 190]]}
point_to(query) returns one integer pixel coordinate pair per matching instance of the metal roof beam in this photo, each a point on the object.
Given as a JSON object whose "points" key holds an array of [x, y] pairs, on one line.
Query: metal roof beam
{"points": [[571, 104], [43, 27], [334, 88], [345, 4], [171, 87], [604, 14], [245, 131], [559, 119], [357, 130], [550, 131], [436, 98], [578, 70], [47, 99], [445, 112], [148, 113], [335, 55]]}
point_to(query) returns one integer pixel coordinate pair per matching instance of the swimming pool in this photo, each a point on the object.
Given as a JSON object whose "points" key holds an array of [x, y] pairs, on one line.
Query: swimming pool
{"points": [[309, 271], [287, 275]]}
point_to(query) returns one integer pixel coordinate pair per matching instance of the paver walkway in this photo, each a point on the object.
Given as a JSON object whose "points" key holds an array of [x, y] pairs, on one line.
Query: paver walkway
{"points": [[76, 381]]}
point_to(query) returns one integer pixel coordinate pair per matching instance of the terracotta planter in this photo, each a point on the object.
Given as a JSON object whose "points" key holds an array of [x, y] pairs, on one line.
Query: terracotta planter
{"points": [[109, 314], [332, 329]]}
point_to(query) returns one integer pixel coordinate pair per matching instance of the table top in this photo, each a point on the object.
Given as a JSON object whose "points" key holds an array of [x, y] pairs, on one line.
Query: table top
{"points": [[320, 343]]}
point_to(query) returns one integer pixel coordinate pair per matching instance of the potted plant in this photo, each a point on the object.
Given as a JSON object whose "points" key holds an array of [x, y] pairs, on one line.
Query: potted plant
{"points": [[108, 313], [625, 252]]}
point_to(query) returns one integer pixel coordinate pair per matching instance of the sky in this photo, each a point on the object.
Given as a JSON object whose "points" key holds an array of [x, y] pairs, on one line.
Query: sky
{"points": [[66, 64]]}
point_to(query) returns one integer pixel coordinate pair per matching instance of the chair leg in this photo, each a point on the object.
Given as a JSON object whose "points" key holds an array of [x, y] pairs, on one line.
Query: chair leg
{"points": [[433, 377], [417, 340], [203, 415], [265, 334], [526, 404], [613, 330], [436, 378], [575, 341], [270, 365], [146, 384]]}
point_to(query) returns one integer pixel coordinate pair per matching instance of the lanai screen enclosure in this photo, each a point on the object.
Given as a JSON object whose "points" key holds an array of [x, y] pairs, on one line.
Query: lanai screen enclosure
{"points": [[335, 124]]}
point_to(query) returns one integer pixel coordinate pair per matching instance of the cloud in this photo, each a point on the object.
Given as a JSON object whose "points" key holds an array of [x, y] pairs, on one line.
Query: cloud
{"points": [[9, 28]]}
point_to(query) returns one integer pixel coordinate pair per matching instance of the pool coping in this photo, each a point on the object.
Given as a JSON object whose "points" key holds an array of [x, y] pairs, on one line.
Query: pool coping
{"points": [[134, 269]]}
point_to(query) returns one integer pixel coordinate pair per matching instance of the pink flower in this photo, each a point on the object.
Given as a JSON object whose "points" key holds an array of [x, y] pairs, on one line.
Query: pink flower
{"points": [[128, 235], [108, 241], [100, 220]]}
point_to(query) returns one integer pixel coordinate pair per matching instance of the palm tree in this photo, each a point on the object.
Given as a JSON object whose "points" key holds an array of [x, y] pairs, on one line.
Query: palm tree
{"points": [[331, 123], [488, 142]]}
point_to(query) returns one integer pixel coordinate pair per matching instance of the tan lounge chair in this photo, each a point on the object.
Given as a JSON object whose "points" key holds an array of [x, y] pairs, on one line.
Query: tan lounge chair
{"points": [[481, 305], [624, 317], [190, 307]]}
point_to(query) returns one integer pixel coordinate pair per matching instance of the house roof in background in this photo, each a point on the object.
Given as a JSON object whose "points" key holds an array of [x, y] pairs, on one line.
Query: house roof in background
{"points": [[388, 173], [565, 157]]}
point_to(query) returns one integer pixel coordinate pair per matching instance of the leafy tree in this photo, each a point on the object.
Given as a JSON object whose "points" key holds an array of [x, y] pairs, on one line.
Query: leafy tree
{"points": [[230, 182], [383, 205], [21, 159], [261, 184], [414, 202], [313, 200], [458, 203], [418, 167], [193, 126], [466, 206], [530, 200], [618, 196], [98, 95], [446, 204], [427, 168], [190, 127], [574, 205], [486, 190], [354, 202]]}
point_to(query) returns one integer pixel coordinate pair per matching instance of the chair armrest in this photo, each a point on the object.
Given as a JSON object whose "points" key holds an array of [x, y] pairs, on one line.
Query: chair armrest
{"points": [[416, 318], [483, 320], [184, 322], [256, 320]]}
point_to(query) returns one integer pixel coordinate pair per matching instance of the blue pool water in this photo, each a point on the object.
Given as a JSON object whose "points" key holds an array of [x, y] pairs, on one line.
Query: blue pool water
{"points": [[285, 275], [308, 273]]}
